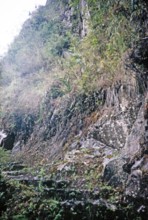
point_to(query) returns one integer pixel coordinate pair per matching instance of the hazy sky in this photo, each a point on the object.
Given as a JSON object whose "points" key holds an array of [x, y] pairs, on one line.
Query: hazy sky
{"points": [[12, 15]]}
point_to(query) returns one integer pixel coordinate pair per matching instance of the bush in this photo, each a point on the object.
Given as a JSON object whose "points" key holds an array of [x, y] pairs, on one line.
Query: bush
{"points": [[4, 155]]}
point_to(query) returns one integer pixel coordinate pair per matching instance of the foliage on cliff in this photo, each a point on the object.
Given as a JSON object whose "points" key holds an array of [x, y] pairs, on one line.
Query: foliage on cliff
{"points": [[67, 46], [58, 103]]}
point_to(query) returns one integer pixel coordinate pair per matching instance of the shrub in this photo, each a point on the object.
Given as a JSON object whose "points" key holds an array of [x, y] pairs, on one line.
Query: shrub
{"points": [[4, 155]]}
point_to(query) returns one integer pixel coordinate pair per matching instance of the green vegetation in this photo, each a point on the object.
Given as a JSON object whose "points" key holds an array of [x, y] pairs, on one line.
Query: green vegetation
{"points": [[52, 59], [22, 202], [50, 54], [4, 156], [27, 203]]}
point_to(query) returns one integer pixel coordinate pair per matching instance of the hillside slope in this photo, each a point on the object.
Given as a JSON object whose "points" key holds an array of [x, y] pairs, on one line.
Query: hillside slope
{"points": [[74, 96]]}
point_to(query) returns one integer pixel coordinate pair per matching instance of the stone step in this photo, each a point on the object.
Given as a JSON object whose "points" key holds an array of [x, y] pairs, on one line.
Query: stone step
{"points": [[94, 202], [14, 174], [69, 194], [13, 166], [52, 188]]}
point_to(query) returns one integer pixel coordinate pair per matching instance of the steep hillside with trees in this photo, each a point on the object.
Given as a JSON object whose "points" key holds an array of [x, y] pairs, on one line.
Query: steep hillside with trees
{"points": [[74, 108]]}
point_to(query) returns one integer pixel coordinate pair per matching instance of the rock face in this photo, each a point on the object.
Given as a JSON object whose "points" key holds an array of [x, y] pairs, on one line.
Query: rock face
{"points": [[7, 140], [99, 136], [137, 166], [111, 124]]}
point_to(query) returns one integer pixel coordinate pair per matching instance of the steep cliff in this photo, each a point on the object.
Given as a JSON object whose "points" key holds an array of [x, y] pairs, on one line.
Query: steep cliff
{"points": [[74, 97]]}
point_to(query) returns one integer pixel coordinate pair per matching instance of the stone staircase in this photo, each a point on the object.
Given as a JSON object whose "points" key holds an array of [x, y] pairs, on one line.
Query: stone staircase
{"points": [[75, 203]]}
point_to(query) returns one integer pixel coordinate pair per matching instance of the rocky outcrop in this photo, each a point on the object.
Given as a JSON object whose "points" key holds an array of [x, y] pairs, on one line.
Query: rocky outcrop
{"points": [[7, 140], [90, 138]]}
